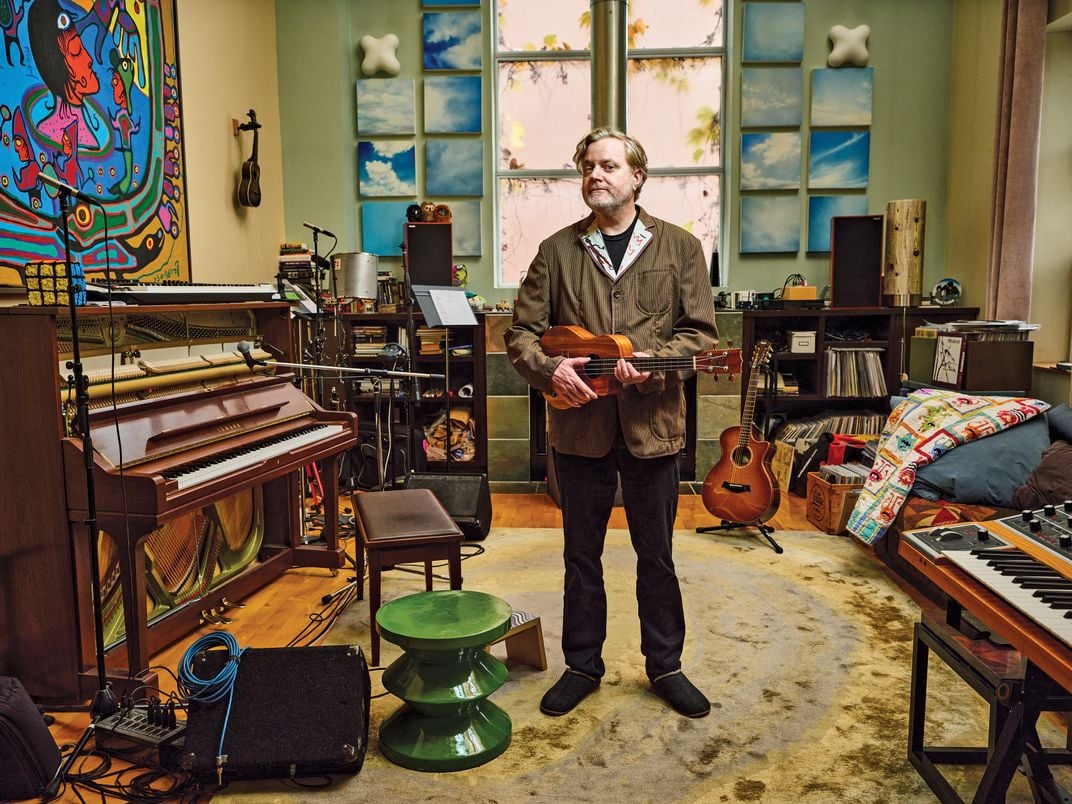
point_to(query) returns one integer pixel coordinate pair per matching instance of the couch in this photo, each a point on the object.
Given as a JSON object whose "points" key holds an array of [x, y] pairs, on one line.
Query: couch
{"points": [[1021, 468]]}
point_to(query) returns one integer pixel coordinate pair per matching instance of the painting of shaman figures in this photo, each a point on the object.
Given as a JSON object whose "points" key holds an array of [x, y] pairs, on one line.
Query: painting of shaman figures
{"points": [[89, 96]]}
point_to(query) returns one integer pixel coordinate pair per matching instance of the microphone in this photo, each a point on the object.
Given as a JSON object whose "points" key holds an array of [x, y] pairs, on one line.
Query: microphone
{"points": [[245, 348], [63, 187], [317, 229]]}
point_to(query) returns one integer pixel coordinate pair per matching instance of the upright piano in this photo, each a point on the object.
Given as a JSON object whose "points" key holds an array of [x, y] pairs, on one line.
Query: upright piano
{"points": [[195, 462]]}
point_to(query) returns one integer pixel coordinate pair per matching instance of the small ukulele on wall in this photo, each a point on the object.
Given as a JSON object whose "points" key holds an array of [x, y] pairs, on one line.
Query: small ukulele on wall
{"points": [[249, 185]]}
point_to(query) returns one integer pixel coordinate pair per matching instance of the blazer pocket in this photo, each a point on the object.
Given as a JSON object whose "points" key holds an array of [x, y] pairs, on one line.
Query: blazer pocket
{"points": [[666, 414], [655, 291]]}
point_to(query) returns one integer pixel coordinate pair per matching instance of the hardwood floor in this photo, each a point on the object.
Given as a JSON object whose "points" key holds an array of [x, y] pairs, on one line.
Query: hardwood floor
{"points": [[276, 614]]}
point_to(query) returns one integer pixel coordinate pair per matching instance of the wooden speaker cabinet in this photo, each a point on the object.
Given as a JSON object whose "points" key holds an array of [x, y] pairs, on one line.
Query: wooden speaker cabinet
{"points": [[856, 260]]}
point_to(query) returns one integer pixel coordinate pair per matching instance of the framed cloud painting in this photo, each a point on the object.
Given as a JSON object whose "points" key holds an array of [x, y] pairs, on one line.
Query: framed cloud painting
{"points": [[386, 167], [770, 161], [839, 159], [452, 40], [770, 224], [385, 106]]}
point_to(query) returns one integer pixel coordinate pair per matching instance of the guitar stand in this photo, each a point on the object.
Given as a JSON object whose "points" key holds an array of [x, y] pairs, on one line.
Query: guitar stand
{"points": [[766, 530]]}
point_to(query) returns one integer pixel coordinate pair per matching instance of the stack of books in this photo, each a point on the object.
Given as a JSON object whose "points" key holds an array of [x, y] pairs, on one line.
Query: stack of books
{"points": [[369, 340], [1009, 330], [431, 340], [295, 262]]}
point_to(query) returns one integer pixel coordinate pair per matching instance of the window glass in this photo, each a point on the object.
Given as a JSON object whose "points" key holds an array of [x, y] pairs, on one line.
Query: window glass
{"points": [[544, 109], [673, 108], [530, 210], [543, 24], [675, 23]]}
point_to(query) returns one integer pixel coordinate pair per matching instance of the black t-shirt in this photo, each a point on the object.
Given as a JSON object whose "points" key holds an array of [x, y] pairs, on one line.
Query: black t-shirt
{"points": [[617, 244]]}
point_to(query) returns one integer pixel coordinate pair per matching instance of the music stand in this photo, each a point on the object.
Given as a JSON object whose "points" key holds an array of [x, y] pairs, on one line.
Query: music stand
{"points": [[445, 307]]}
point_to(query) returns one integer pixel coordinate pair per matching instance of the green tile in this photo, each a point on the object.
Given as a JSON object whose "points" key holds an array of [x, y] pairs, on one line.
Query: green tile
{"points": [[508, 459], [708, 453], [508, 417], [503, 379], [730, 328], [715, 413]]}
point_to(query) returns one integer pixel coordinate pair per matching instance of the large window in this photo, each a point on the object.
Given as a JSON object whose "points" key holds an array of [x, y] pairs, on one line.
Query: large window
{"points": [[674, 103]]}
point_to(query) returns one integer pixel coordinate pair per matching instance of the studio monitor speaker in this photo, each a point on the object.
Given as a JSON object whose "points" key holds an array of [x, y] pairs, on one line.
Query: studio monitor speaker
{"points": [[429, 253], [296, 712], [467, 499], [856, 260]]}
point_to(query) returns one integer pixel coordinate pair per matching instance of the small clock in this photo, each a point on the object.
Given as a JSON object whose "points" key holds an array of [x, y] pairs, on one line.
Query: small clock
{"points": [[946, 292]]}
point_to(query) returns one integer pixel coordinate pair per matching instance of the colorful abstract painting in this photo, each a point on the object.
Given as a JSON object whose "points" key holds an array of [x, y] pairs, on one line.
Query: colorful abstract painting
{"points": [[89, 96]]}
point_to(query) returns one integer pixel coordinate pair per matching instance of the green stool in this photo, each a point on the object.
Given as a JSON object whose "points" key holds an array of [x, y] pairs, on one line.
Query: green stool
{"points": [[444, 676]]}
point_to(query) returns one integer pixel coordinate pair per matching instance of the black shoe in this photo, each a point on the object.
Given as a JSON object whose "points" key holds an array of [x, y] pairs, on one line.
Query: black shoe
{"points": [[681, 694], [567, 692]]}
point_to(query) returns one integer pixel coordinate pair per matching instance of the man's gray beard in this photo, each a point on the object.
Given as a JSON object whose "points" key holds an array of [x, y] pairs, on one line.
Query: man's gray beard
{"points": [[608, 207]]}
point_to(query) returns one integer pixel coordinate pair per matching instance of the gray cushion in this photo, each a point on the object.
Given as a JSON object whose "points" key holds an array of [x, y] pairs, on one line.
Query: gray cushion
{"points": [[987, 471], [1060, 419]]}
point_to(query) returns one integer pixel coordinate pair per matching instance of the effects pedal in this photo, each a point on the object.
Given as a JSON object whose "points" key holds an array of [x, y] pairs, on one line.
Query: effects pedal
{"points": [[149, 733]]}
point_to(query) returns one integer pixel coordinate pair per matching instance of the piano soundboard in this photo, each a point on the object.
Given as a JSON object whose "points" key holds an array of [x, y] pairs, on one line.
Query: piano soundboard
{"points": [[131, 292], [1025, 559]]}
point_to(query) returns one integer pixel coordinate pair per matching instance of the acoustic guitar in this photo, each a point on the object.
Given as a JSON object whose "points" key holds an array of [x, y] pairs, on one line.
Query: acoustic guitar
{"points": [[604, 351], [741, 486], [249, 185]]}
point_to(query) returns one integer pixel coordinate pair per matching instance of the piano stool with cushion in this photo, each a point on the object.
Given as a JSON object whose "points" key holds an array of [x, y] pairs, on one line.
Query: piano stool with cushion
{"points": [[400, 526]]}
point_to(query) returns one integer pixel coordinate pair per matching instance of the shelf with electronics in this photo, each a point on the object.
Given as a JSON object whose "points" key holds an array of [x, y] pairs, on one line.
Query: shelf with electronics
{"points": [[371, 340], [834, 359]]}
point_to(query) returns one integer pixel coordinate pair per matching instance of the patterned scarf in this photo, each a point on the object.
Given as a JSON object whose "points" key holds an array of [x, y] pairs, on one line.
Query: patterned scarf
{"points": [[592, 240]]}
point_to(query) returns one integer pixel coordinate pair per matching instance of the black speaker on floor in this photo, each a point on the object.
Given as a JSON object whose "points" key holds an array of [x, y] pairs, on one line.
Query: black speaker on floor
{"points": [[429, 253], [296, 712], [856, 260], [467, 499]]}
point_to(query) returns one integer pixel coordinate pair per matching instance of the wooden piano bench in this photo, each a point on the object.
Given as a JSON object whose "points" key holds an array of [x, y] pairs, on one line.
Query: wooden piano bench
{"points": [[401, 526], [1017, 691], [524, 640]]}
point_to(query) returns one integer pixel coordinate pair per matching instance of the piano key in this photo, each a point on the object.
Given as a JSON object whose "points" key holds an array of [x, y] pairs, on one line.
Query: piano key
{"points": [[198, 472], [977, 563]]}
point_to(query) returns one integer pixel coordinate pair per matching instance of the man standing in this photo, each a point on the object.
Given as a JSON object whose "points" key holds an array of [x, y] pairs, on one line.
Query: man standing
{"points": [[618, 271]]}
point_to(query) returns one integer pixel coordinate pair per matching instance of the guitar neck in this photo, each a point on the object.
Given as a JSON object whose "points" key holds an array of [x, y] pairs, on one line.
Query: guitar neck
{"points": [[253, 156], [600, 366], [748, 411]]}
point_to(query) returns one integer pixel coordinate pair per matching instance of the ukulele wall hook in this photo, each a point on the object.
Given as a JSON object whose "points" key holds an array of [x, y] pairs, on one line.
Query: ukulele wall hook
{"points": [[249, 183]]}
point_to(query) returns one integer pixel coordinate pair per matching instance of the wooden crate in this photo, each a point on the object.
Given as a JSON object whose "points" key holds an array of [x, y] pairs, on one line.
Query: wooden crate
{"points": [[829, 505]]}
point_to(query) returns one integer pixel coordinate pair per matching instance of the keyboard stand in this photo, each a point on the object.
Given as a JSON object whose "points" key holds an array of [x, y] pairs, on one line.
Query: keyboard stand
{"points": [[1017, 691]]}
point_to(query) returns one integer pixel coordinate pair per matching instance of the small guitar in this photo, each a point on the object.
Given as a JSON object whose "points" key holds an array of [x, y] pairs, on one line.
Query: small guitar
{"points": [[604, 352], [249, 186], [741, 486]]}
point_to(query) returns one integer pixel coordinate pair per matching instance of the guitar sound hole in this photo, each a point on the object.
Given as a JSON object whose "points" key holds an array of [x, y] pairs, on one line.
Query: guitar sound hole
{"points": [[742, 456]]}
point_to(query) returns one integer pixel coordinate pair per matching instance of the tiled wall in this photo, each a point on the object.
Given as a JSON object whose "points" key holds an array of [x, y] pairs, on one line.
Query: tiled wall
{"points": [[718, 405]]}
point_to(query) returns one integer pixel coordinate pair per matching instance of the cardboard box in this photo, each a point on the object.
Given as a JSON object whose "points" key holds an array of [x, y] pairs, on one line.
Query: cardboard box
{"points": [[829, 505], [802, 343]]}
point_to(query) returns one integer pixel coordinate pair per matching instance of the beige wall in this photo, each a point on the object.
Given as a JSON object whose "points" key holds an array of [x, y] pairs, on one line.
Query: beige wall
{"points": [[227, 64], [976, 53]]}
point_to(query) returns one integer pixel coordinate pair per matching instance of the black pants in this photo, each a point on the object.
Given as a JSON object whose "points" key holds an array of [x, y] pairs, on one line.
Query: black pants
{"points": [[649, 493]]}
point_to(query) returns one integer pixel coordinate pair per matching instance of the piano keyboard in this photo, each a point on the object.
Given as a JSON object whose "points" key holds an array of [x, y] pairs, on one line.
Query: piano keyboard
{"points": [[1042, 593], [226, 463], [178, 292]]}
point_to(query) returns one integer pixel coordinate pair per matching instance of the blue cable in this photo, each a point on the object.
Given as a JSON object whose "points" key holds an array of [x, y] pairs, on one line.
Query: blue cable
{"points": [[210, 690]]}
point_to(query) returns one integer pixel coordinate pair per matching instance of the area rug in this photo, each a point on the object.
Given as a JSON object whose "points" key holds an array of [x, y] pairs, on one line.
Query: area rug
{"points": [[805, 656]]}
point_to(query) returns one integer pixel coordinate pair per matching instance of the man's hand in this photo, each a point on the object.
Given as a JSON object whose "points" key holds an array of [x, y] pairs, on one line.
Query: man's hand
{"points": [[569, 386], [627, 374]]}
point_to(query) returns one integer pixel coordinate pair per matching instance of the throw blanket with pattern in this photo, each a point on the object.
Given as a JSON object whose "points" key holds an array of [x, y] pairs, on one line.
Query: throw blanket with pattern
{"points": [[929, 423]]}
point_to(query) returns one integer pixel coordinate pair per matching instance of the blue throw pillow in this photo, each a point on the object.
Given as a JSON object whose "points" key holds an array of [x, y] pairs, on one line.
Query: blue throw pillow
{"points": [[987, 471], [1060, 419]]}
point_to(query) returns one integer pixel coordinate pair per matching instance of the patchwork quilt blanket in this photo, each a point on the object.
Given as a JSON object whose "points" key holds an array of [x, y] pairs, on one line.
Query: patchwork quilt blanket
{"points": [[925, 426]]}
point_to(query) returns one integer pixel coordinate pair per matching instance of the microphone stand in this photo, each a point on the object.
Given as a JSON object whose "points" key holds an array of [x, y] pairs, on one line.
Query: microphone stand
{"points": [[104, 702], [414, 393]]}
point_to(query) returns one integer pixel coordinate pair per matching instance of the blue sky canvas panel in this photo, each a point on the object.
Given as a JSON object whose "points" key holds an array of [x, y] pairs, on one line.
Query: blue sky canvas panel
{"points": [[821, 208], [386, 106], [452, 104], [839, 160], [841, 97], [452, 40], [770, 224], [386, 167], [454, 167], [381, 227], [773, 32], [772, 96], [465, 228], [770, 161]]}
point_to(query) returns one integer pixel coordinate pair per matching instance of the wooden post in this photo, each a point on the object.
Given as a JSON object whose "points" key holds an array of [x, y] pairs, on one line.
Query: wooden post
{"points": [[902, 279]]}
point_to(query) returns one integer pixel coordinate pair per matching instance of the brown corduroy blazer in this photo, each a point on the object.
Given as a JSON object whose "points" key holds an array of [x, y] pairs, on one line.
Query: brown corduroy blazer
{"points": [[662, 303]]}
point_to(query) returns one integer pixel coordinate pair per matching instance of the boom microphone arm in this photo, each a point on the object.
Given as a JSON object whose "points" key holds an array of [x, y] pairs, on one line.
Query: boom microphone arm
{"points": [[245, 348]]}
